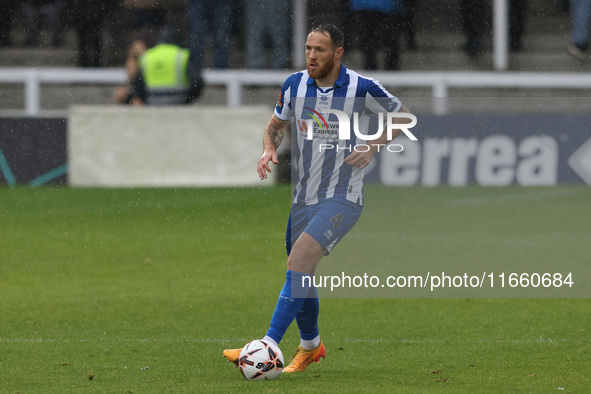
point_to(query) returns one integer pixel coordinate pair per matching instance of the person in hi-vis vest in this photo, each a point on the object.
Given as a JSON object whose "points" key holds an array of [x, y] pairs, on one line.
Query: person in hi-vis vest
{"points": [[165, 76]]}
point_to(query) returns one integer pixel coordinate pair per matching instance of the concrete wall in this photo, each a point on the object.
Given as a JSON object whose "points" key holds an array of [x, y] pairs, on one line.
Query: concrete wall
{"points": [[124, 146]]}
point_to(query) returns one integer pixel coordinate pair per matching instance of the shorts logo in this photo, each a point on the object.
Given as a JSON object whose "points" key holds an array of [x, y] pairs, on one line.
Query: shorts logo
{"points": [[336, 220]]}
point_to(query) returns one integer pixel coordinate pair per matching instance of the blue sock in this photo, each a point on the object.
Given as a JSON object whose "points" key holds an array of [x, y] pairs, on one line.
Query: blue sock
{"points": [[288, 305], [307, 317]]}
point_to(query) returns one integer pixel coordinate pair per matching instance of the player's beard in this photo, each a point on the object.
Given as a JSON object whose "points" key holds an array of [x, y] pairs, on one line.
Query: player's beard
{"points": [[321, 72]]}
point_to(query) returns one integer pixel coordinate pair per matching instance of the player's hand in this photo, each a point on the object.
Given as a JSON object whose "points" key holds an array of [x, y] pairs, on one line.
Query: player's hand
{"points": [[263, 163], [360, 159]]}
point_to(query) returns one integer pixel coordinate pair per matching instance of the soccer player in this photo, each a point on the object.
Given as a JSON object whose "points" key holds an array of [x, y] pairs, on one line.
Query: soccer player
{"points": [[328, 196]]}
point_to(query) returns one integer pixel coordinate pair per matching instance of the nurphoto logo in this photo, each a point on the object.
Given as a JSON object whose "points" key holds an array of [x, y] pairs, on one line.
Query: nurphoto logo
{"points": [[318, 127]]}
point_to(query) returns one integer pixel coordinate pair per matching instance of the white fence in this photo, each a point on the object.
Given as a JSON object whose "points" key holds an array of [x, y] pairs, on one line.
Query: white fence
{"points": [[235, 80]]}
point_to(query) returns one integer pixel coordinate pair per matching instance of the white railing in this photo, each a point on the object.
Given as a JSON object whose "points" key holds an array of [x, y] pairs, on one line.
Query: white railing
{"points": [[235, 80]]}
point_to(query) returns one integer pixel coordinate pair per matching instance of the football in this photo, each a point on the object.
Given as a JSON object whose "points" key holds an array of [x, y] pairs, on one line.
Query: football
{"points": [[260, 360]]}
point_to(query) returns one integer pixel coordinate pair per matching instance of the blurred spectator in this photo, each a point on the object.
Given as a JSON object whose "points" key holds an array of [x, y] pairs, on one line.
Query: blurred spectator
{"points": [[209, 16], [410, 12], [140, 42], [517, 14], [89, 18], [580, 11], [475, 19], [39, 13], [380, 22], [163, 77], [260, 28], [564, 5], [472, 15], [7, 9], [146, 14]]}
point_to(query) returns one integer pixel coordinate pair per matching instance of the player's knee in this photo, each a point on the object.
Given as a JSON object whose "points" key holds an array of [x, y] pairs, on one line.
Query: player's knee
{"points": [[303, 259]]}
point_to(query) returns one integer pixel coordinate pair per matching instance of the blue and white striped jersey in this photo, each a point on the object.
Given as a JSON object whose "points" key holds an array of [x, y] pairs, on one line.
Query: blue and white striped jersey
{"points": [[320, 171]]}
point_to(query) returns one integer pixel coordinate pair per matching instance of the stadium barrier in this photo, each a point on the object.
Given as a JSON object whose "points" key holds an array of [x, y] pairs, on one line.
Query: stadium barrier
{"points": [[122, 146], [235, 80], [128, 147]]}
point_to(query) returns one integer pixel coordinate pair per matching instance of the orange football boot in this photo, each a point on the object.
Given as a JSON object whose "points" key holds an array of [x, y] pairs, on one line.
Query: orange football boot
{"points": [[232, 355], [302, 358]]}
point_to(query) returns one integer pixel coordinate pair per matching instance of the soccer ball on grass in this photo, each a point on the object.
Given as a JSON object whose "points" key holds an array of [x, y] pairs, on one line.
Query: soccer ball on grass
{"points": [[260, 360]]}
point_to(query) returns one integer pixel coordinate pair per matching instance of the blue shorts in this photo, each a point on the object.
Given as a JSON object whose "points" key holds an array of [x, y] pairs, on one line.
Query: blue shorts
{"points": [[327, 222]]}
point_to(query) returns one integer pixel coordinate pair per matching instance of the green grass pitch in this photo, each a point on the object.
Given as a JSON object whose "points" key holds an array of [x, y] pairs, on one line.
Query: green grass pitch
{"points": [[140, 290]]}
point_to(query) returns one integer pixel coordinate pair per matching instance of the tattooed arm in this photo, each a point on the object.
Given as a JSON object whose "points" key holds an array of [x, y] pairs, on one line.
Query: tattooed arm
{"points": [[274, 132]]}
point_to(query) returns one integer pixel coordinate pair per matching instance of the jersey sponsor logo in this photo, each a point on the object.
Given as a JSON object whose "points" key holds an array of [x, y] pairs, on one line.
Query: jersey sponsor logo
{"points": [[317, 116]]}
